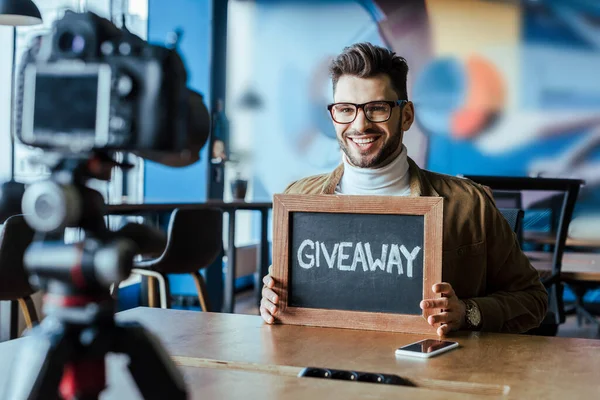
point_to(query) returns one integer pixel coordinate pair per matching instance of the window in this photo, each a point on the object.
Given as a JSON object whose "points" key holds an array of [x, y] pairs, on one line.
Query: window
{"points": [[122, 186]]}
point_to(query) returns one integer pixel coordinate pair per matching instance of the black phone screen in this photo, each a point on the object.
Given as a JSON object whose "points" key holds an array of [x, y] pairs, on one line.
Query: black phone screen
{"points": [[427, 346]]}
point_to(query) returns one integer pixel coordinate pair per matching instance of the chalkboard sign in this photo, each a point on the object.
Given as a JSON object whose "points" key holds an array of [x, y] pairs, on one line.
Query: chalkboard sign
{"points": [[356, 261], [337, 257]]}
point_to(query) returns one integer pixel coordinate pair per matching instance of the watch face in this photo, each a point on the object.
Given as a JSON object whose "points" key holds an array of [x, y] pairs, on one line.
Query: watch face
{"points": [[474, 315]]}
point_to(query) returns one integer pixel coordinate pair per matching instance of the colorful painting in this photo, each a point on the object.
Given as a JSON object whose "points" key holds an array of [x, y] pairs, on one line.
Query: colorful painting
{"points": [[499, 88]]}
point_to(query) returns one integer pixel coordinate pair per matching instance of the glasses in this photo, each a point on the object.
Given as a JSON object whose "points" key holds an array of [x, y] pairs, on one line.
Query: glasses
{"points": [[375, 111]]}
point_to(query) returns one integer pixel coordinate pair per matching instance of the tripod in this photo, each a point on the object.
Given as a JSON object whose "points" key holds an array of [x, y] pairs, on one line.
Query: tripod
{"points": [[65, 355]]}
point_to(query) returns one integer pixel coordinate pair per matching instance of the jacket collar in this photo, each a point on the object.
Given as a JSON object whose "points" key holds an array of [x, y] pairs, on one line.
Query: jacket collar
{"points": [[419, 184]]}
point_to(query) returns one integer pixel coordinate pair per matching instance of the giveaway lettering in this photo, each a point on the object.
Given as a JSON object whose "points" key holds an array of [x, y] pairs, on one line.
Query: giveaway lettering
{"points": [[348, 256]]}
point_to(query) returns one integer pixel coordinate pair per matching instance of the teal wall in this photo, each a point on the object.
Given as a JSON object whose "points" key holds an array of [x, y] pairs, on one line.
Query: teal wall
{"points": [[166, 184], [190, 184]]}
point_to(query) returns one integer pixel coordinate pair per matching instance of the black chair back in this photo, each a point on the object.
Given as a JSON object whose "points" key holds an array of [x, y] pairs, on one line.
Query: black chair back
{"points": [[15, 237], [195, 239], [506, 199], [570, 189], [514, 217]]}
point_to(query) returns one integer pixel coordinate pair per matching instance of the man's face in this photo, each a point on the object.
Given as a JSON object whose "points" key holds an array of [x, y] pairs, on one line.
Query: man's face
{"points": [[365, 143]]}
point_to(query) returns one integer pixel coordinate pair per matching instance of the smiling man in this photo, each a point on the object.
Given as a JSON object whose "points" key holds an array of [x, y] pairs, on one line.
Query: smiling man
{"points": [[488, 282]]}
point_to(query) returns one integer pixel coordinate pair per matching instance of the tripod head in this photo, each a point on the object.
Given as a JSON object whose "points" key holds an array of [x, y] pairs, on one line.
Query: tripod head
{"points": [[68, 349], [65, 201]]}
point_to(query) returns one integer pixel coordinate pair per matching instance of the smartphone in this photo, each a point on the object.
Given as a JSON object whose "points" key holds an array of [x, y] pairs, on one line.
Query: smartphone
{"points": [[426, 348]]}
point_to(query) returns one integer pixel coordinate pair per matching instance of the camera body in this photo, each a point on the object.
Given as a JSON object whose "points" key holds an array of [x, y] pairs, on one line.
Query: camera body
{"points": [[89, 85]]}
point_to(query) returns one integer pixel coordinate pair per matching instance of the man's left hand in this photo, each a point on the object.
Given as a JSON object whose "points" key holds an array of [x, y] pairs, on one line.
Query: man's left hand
{"points": [[452, 310]]}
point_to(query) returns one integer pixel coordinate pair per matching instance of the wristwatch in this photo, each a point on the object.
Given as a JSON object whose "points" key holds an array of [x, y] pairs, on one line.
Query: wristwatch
{"points": [[472, 315]]}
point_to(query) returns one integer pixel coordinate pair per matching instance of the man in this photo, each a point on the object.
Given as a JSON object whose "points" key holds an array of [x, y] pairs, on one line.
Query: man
{"points": [[489, 284]]}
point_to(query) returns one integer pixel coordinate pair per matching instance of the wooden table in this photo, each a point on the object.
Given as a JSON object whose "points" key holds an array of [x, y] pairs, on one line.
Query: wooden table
{"points": [[533, 367], [206, 383], [262, 262], [575, 266]]}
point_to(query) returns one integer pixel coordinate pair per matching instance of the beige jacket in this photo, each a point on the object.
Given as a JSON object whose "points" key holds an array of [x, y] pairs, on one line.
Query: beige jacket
{"points": [[481, 257]]}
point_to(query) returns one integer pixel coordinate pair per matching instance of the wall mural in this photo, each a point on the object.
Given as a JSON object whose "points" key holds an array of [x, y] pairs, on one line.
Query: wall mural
{"points": [[499, 89]]}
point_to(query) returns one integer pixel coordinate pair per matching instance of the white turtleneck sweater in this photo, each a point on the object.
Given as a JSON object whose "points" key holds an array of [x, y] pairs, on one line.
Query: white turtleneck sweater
{"points": [[391, 180]]}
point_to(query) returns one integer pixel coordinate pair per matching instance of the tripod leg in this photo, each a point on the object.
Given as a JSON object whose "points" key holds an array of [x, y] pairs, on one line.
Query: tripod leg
{"points": [[155, 374], [38, 367]]}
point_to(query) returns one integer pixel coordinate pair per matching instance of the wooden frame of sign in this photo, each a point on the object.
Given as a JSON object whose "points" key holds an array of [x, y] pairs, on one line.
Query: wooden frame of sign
{"points": [[284, 207]]}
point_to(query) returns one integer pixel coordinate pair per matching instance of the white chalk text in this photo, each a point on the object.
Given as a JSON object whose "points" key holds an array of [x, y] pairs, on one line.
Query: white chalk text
{"points": [[348, 256]]}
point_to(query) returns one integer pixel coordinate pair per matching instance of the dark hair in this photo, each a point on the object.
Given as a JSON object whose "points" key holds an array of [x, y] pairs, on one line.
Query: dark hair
{"points": [[366, 60]]}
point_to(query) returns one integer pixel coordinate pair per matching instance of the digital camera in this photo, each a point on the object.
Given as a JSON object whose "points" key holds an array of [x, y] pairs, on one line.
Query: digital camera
{"points": [[89, 85]]}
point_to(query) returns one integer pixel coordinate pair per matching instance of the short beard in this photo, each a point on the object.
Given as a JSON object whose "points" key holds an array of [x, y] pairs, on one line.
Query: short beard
{"points": [[376, 162]]}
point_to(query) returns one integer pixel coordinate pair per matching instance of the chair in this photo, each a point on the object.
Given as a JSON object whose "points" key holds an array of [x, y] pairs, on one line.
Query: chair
{"points": [[570, 189], [506, 199], [194, 240], [580, 289], [15, 237], [514, 217]]}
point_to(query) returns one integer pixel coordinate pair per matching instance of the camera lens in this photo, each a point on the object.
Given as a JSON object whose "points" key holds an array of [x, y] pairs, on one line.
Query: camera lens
{"points": [[71, 43], [78, 44], [44, 206]]}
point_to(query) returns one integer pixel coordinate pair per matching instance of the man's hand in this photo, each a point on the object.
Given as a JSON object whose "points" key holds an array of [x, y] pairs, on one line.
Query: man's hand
{"points": [[269, 301], [452, 311]]}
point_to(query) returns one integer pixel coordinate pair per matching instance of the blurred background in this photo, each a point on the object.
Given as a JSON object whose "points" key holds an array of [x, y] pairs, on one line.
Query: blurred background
{"points": [[500, 87]]}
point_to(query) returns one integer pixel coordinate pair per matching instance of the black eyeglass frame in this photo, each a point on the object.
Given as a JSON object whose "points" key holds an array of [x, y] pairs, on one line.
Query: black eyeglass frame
{"points": [[392, 104]]}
